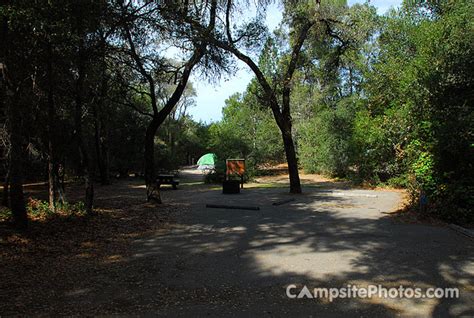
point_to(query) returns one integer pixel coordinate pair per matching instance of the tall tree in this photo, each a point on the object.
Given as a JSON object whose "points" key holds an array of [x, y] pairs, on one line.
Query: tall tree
{"points": [[300, 17], [148, 68], [13, 86]]}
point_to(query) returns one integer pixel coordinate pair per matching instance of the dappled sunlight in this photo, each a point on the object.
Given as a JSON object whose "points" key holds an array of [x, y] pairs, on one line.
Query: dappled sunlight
{"points": [[329, 238], [406, 307], [78, 292], [413, 307], [324, 237], [140, 186], [461, 274], [301, 260], [113, 258], [190, 240], [236, 158]]}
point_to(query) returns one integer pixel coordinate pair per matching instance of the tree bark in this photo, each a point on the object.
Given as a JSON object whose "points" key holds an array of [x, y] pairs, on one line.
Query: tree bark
{"points": [[295, 184], [159, 116], [14, 114], [152, 193], [6, 189], [281, 114], [85, 161], [51, 181], [100, 149], [100, 129], [52, 165], [158, 119], [280, 110], [17, 201], [3, 50]]}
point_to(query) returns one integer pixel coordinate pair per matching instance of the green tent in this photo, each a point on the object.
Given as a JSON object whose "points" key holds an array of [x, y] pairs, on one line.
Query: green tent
{"points": [[207, 161]]}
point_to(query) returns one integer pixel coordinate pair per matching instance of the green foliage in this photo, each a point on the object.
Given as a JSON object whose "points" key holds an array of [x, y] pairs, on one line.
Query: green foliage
{"points": [[420, 82], [5, 214], [385, 100], [325, 144], [369, 139], [423, 169], [246, 131], [394, 108], [40, 209]]}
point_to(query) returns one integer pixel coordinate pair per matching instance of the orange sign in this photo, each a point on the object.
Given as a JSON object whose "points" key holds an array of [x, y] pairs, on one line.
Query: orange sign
{"points": [[235, 166]]}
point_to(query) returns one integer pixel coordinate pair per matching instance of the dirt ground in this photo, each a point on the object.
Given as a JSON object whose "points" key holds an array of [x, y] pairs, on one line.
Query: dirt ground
{"points": [[184, 259]]}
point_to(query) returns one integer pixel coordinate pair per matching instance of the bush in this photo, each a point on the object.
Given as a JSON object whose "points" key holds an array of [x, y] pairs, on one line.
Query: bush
{"points": [[40, 208], [325, 143]]}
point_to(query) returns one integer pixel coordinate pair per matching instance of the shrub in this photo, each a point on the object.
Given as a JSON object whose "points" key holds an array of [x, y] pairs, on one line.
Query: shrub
{"points": [[40, 208], [325, 143]]}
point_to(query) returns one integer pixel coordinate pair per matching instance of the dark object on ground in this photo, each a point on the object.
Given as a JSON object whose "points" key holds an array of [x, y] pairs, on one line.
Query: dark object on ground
{"points": [[460, 229], [283, 201], [233, 207], [231, 187], [167, 179]]}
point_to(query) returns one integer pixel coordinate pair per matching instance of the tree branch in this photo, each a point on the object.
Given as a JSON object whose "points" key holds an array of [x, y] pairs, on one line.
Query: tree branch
{"points": [[131, 105], [145, 74], [303, 34]]}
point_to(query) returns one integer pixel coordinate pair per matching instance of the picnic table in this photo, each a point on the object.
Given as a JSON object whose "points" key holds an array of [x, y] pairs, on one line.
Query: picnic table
{"points": [[167, 179]]}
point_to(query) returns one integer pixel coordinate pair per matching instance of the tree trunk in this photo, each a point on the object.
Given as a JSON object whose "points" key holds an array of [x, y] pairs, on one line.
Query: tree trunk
{"points": [[88, 173], [104, 180], [106, 159], [52, 166], [89, 199], [14, 115], [59, 169], [295, 185], [104, 149], [85, 161], [159, 116], [282, 117], [17, 201], [3, 53], [6, 189], [101, 160], [152, 193], [51, 181], [100, 131]]}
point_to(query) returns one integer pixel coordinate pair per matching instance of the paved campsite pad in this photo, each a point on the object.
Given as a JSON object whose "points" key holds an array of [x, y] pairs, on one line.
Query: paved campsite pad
{"points": [[226, 261], [222, 262]]}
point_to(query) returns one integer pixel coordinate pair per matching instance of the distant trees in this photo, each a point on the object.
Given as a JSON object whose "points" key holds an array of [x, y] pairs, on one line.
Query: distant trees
{"points": [[62, 95], [420, 93], [247, 130], [302, 19], [157, 71], [384, 100], [17, 83], [89, 89]]}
